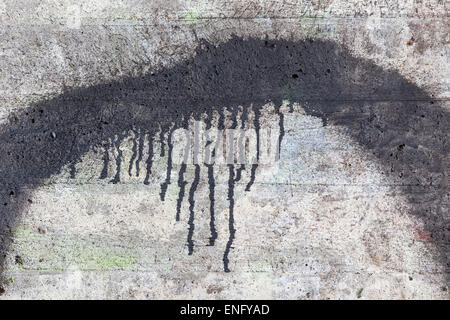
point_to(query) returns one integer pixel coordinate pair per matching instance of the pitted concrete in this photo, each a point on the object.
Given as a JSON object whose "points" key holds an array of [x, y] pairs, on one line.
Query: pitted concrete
{"points": [[337, 217]]}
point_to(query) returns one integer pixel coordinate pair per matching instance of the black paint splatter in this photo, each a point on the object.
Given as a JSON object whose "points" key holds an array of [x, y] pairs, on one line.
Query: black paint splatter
{"points": [[281, 126], [252, 176], [104, 172], [140, 153], [182, 185], [231, 229], [212, 185], [149, 161], [169, 165], [191, 209], [133, 156], [116, 178], [221, 78]]}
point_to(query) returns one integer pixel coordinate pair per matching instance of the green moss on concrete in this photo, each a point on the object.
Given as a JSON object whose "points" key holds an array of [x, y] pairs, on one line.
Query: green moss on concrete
{"points": [[191, 17], [123, 262], [57, 252], [23, 232]]}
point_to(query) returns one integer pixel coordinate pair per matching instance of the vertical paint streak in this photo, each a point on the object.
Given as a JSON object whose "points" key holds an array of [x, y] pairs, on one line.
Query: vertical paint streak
{"points": [[104, 172], [281, 125], [149, 160], [255, 165], [161, 142], [234, 117], [244, 116], [140, 153], [182, 184], [116, 178], [73, 170], [166, 183], [134, 155], [257, 125], [241, 147], [231, 229], [239, 172], [212, 185], [191, 209], [221, 120], [252, 177], [209, 163]]}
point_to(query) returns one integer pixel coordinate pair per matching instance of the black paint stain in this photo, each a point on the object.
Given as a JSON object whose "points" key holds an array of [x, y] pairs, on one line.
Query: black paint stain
{"points": [[212, 220], [257, 126], [116, 178], [149, 161], [104, 172], [191, 224], [380, 109], [231, 229], [161, 142], [281, 125], [252, 176], [133, 156], [140, 154], [239, 173], [182, 185], [166, 183]]}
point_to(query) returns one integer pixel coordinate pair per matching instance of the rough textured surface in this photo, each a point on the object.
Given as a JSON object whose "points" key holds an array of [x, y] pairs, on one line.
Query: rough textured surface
{"points": [[356, 207]]}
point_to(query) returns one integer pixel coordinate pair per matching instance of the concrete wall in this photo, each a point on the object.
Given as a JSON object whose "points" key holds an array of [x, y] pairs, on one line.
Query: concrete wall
{"points": [[356, 207]]}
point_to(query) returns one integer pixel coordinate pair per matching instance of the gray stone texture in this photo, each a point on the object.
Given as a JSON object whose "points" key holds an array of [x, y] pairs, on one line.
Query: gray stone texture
{"points": [[331, 220]]}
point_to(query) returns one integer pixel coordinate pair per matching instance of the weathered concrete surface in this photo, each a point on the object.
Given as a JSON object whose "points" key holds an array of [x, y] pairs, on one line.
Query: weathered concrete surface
{"points": [[329, 220]]}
